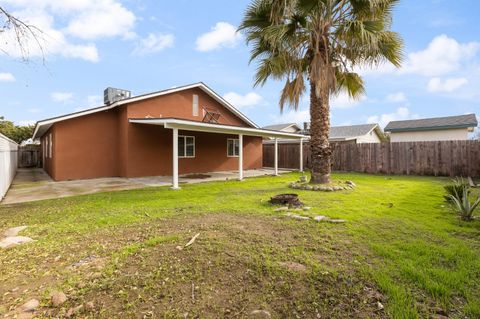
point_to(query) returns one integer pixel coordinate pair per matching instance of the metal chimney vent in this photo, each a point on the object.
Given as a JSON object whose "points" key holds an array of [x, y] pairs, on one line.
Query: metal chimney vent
{"points": [[112, 95]]}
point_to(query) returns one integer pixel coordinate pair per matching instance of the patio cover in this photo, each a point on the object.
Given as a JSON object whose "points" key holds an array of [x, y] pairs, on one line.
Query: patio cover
{"points": [[179, 124]]}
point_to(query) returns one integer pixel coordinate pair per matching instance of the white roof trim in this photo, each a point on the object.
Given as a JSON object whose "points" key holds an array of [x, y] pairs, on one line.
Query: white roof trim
{"points": [[187, 125], [44, 125]]}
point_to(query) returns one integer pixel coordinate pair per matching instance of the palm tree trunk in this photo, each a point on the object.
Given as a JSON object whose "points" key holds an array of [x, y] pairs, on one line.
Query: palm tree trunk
{"points": [[321, 151]]}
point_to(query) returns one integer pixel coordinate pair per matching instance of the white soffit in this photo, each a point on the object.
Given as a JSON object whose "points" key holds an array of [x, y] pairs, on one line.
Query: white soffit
{"points": [[186, 125]]}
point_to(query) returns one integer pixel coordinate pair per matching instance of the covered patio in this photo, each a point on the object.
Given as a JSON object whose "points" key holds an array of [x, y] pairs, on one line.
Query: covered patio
{"points": [[177, 125]]}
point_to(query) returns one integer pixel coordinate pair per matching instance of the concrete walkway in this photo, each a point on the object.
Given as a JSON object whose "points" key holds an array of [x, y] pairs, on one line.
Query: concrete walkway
{"points": [[35, 184]]}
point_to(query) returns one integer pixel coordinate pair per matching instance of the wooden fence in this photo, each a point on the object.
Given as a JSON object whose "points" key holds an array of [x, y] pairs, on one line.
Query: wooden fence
{"points": [[29, 156], [445, 158]]}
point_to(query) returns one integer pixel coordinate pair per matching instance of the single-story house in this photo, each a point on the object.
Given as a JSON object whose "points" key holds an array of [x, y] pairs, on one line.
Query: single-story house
{"points": [[285, 127], [447, 128], [188, 129], [355, 134]]}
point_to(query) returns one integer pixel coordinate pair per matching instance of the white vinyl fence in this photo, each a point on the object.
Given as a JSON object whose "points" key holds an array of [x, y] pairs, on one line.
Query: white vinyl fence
{"points": [[8, 163]]}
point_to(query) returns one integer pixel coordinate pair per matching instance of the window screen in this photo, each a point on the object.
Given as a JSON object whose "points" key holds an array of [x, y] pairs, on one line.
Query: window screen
{"points": [[232, 147], [50, 146], [186, 146]]}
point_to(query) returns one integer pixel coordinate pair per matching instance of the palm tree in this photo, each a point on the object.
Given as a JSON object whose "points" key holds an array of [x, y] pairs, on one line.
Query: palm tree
{"points": [[321, 42]]}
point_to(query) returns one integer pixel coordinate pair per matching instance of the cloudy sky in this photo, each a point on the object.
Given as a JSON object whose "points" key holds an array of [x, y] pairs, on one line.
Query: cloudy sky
{"points": [[144, 46]]}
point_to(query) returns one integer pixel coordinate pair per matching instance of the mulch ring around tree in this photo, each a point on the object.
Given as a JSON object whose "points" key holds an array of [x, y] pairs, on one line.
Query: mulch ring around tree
{"points": [[332, 187]]}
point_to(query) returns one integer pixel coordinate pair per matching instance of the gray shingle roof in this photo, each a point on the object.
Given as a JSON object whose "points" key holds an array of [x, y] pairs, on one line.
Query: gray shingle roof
{"points": [[350, 131], [279, 127], [336, 132], [459, 121]]}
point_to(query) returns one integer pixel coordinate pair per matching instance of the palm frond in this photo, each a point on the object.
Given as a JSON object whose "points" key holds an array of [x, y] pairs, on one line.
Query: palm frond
{"points": [[319, 40]]}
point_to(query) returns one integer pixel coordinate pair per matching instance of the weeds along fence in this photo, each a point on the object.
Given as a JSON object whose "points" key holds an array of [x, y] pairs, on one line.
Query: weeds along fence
{"points": [[443, 158], [8, 163]]}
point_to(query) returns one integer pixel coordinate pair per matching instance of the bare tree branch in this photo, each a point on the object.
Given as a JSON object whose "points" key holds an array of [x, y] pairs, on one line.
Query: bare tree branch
{"points": [[23, 32]]}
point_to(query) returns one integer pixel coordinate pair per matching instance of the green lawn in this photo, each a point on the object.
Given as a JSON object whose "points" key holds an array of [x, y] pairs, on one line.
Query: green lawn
{"points": [[402, 247]]}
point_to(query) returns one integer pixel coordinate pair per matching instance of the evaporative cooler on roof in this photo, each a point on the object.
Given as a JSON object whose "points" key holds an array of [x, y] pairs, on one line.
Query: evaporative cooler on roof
{"points": [[112, 95]]}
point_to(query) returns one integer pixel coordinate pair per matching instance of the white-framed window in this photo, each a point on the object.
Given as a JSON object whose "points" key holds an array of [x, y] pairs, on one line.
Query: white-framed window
{"points": [[233, 147], [50, 145], [186, 146], [44, 148], [195, 105]]}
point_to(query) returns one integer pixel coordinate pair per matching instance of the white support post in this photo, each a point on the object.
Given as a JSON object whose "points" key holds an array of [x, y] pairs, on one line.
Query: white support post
{"points": [[240, 157], [276, 156], [175, 160], [301, 155]]}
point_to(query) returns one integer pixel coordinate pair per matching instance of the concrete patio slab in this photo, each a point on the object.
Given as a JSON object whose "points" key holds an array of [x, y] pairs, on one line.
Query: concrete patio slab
{"points": [[34, 184]]}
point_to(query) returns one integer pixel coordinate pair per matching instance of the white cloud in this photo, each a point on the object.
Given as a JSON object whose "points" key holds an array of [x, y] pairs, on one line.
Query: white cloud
{"points": [[49, 42], [448, 85], [26, 122], [7, 77], [396, 97], [402, 113], [239, 101], [154, 43], [344, 101], [99, 19], [62, 96], [85, 19], [292, 116], [61, 20], [442, 56], [222, 34]]}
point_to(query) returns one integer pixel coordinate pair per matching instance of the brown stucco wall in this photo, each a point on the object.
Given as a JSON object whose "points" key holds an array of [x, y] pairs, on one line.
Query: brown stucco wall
{"points": [[105, 144], [150, 152], [179, 105], [86, 147], [49, 163]]}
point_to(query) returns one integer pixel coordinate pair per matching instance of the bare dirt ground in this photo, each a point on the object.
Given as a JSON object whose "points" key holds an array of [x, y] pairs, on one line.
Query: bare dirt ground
{"points": [[240, 266]]}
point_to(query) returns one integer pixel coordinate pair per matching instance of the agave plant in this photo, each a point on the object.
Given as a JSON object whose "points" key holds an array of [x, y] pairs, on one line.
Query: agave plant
{"points": [[462, 203], [457, 187]]}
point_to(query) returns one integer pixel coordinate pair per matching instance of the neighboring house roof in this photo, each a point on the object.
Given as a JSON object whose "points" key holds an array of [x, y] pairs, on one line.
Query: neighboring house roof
{"points": [[350, 132], [437, 123], [281, 127], [42, 126]]}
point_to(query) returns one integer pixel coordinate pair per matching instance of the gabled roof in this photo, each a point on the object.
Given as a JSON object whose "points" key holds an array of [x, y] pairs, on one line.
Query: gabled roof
{"points": [[348, 132], [281, 127], [436, 123], [42, 126]]}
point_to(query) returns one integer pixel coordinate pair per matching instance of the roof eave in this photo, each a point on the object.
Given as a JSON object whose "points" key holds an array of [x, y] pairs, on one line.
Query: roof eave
{"points": [[200, 85], [430, 128], [214, 128]]}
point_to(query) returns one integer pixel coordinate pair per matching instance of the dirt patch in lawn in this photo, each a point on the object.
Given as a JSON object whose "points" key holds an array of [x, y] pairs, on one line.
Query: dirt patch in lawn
{"points": [[239, 264]]}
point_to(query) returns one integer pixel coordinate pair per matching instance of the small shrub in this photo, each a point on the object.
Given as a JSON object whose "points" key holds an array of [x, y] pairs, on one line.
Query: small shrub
{"points": [[462, 203], [456, 188]]}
